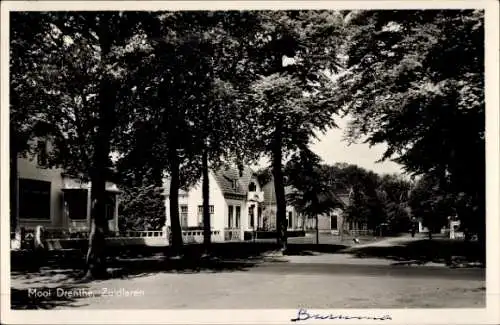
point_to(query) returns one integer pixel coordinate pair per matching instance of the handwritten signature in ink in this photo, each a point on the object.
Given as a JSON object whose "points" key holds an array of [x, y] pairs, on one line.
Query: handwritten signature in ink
{"points": [[304, 314]]}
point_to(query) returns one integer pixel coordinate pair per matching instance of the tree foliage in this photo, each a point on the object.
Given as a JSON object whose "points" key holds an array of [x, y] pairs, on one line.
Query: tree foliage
{"points": [[80, 68], [312, 194], [431, 203], [285, 100], [394, 192], [141, 208], [415, 81]]}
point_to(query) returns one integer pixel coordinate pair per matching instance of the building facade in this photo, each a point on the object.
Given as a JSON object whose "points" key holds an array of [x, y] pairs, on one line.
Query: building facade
{"points": [[47, 197], [334, 221], [235, 203]]}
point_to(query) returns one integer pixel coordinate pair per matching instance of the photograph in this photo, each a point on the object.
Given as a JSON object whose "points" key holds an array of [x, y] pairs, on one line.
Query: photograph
{"points": [[322, 160]]}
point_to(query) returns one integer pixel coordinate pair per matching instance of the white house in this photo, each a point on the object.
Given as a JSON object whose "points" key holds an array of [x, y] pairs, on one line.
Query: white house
{"points": [[47, 197], [236, 205]]}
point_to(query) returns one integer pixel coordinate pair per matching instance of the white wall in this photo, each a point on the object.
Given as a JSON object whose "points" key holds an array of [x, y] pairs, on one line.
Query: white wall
{"points": [[194, 198]]}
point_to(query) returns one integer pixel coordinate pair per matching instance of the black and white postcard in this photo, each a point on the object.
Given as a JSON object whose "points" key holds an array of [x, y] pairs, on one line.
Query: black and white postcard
{"points": [[250, 162]]}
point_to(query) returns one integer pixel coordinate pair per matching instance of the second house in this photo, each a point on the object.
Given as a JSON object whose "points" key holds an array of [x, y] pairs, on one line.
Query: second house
{"points": [[236, 203]]}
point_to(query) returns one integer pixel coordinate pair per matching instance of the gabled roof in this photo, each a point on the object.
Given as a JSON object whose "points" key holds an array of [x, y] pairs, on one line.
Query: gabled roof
{"points": [[226, 176], [270, 192]]}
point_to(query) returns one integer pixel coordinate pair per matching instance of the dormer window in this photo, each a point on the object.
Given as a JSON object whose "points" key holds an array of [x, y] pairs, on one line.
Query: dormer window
{"points": [[252, 187]]}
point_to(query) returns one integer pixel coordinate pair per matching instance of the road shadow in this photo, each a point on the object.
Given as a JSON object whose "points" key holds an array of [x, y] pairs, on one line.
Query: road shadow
{"points": [[63, 271], [313, 249], [62, 266], [453, 253]]}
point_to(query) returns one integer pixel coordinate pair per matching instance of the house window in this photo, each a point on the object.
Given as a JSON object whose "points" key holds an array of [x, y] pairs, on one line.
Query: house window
{"points": [[34, 199], [200, 215], [290, 223], [76, 201], [238, 216], [184, 215], [333, 222], [41, 156], [230, 216], [252, 187]]}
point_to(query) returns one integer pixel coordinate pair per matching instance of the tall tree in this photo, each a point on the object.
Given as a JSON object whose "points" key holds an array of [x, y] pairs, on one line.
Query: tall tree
{"points": [[193, 122], [312, 194], [165, 137], [221, 126], [415, 81], [393, 192], [366, 205], [80, 72], [287, 98], [357, 210]]}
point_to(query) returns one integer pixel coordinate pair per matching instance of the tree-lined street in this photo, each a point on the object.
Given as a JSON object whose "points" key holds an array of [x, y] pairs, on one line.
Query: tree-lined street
{"points": [[321, 280], [154, 102]]}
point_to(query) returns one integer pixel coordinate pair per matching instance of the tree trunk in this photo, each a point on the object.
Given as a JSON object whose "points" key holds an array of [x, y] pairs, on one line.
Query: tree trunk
{"points": [[96, 257], [99, 223], [317, 229], [279, 186], [341, 229], [206, 200], [175, 224]]}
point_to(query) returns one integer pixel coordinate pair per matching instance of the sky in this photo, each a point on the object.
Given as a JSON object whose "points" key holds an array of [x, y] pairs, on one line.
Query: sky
{"points": [[332, 149]]}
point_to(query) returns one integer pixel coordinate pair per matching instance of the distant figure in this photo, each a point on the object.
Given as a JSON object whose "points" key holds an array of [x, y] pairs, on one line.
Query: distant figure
{"points": [[413, 229]]}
